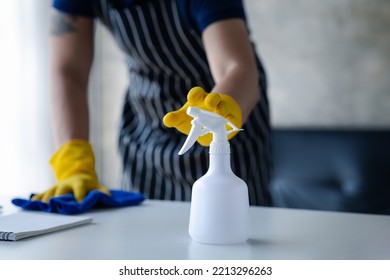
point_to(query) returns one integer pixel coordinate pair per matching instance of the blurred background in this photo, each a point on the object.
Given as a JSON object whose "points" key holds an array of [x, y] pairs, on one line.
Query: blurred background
{"points": [[328, 65]]}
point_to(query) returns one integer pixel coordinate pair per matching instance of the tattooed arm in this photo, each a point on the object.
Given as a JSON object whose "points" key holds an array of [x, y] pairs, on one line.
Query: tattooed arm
{"points": [[73, 163], [71, 46]]}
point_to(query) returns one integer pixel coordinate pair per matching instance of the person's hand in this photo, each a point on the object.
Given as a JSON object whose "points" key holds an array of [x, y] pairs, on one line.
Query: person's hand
{"points": [[74, 168], [220, 104]]}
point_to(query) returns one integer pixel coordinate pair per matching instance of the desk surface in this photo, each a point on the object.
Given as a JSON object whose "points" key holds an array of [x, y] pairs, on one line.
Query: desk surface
{"points": [[158, 230]]}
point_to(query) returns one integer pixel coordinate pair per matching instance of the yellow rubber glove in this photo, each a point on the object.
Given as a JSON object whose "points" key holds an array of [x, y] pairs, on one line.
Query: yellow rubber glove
{"points": [[74, 168], [220, 104]]}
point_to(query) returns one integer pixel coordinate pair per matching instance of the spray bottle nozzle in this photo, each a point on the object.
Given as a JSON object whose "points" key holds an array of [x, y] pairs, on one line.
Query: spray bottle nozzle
{"points": [[205, 122]]}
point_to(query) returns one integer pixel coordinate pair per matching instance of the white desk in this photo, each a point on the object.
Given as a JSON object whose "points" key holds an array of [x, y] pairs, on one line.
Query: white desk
{"points": [[158, 230]]}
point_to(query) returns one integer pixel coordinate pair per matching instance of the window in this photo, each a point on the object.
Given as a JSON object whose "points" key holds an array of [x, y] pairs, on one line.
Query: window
{"points": [[25, 141]]}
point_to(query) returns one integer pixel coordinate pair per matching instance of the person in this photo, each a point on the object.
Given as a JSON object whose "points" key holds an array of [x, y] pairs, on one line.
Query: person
{"points": [[171, 48]]}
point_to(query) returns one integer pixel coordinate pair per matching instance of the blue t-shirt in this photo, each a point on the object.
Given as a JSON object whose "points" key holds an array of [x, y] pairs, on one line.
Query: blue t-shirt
{"points": [[198, 13]]}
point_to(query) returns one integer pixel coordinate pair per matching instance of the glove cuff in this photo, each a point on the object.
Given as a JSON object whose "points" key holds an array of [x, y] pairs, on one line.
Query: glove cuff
{"points": [[236, 117], [75, 156]]}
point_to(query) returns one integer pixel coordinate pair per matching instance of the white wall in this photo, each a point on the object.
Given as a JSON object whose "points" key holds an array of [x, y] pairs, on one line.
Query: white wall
{"points": [[107, 90], [328, 61]]}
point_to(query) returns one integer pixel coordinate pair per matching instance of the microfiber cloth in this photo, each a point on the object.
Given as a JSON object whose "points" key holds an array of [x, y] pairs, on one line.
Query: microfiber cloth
{"points": [[66, 204]]}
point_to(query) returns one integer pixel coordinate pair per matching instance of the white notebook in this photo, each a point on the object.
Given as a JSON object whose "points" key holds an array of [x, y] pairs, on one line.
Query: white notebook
{"points": [[21, 225]]}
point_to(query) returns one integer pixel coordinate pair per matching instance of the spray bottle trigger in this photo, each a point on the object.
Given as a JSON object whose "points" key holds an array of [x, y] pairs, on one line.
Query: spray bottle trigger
{"points": [[234, 128], [196, 131]]}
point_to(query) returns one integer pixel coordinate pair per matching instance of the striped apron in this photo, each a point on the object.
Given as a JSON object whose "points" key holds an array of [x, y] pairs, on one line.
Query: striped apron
{"points": [[165, 58]]}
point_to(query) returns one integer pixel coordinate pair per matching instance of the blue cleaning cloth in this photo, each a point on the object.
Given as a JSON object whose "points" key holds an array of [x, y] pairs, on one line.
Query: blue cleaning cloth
{"points": [[66, 204]]}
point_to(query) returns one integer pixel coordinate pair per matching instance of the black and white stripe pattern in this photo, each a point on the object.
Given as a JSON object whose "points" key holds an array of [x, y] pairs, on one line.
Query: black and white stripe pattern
{"points": [[165, 59]]}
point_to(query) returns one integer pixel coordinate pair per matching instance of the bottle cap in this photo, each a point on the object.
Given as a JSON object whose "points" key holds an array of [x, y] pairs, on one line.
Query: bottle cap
{"points": [[207, 122]]}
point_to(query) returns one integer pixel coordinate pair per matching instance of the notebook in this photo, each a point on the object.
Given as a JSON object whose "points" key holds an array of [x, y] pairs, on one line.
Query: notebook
{"points": [[21, 225]]}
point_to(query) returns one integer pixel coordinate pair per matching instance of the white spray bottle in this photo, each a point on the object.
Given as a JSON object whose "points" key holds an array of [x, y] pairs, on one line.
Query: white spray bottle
{"points": [[220, 204]]}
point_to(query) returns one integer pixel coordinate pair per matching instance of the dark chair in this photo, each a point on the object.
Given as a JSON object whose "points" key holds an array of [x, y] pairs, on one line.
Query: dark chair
{"points": [[336, 170]]}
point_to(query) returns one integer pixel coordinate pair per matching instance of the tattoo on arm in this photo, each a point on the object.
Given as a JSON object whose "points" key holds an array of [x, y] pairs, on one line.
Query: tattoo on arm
{"points": [[62, 23]]}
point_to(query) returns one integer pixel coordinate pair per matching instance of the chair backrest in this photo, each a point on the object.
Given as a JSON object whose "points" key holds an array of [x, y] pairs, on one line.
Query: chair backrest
{"points": [[340, 170]]}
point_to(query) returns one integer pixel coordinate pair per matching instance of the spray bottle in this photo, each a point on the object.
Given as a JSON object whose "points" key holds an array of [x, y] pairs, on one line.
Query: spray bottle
{"points": [[219, 205]]}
